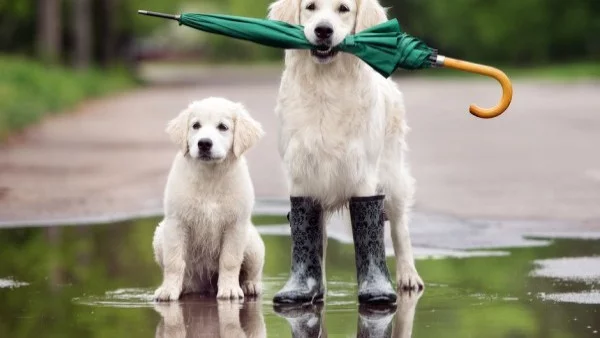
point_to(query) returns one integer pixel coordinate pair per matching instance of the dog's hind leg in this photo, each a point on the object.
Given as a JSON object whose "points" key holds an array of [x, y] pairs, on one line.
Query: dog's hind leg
{"points": [[157, 244], [399, 186], [254, 258]]}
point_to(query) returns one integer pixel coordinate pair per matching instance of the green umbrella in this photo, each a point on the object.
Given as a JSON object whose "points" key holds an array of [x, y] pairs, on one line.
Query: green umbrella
{"points": [[385, 47]]}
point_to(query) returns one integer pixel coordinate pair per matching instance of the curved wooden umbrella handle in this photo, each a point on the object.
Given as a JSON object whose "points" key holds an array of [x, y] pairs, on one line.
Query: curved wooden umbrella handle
{"points": [[507, 91]]}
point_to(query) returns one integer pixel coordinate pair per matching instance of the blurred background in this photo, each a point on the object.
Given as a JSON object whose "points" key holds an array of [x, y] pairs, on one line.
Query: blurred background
{"points": [[100, 44], [87, 87]]}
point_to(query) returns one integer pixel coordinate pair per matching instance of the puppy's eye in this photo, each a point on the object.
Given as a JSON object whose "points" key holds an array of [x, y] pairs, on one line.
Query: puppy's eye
{"points": [[222, 127], [344, 9], [311, 6], [196, 125]]}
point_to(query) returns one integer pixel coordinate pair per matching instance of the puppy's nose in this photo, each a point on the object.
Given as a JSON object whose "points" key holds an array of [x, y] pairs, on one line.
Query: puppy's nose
{"points": [[324, 31], [205, 144]]}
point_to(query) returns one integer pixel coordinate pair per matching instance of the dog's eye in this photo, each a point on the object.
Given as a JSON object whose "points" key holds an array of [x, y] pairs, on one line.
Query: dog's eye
{"points": [[311, 6], [222, 127], [196, 125], [343, 9]]}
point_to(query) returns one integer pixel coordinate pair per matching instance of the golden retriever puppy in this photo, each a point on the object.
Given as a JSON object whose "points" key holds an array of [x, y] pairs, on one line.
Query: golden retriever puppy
{"points": [[206, 238]]}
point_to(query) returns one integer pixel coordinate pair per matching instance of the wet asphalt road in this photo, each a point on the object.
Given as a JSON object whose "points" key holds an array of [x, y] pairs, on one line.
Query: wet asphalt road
{"points": [[109, 159]]}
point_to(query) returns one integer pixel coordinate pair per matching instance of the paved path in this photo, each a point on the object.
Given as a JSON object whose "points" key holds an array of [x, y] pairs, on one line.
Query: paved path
{"points": [[110, 158]]}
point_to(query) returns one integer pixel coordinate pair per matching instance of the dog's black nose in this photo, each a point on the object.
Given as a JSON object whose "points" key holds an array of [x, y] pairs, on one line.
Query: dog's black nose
{"points": [[205, 144], [324, 31]]}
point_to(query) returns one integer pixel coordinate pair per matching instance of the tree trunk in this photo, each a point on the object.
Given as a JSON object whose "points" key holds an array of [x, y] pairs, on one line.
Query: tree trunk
{"points": [[49, 37], [108, 30], [82, 33]]}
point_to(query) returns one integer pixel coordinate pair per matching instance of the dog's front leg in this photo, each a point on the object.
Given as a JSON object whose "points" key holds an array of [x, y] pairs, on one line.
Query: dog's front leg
{"points": [[230, 261], [174, 245]]}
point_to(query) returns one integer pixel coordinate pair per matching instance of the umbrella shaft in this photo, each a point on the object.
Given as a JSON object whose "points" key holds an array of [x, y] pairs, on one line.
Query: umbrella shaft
{"points": [[160, 15]]}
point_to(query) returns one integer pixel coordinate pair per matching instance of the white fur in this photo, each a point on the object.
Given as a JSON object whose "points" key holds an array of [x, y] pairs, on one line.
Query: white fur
{"points": [[342, 125], [206, 236]]}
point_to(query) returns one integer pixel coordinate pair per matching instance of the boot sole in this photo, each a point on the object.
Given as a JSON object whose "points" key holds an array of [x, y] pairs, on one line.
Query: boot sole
{"points": [[299, 301], [377, 300]]}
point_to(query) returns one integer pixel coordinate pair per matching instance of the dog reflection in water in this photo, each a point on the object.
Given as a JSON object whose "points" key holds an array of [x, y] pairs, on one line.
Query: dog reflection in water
{"points": [[388, 321], [196, 317]]}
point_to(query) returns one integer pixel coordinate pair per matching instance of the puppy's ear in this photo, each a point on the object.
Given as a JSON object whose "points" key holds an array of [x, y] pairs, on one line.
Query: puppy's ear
{"points": [[177, 129], [246, 132], [370, 13], [285, 10]]}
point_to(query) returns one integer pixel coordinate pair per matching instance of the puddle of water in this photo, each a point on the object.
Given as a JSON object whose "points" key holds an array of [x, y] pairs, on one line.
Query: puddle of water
{"points": [[127, 298], [98, 281], [577, 269], [585, 297], [10, 283]]}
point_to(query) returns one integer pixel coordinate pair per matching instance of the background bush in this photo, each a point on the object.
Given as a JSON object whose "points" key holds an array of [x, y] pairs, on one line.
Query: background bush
{"points": [[29, 90], [520, 32]]}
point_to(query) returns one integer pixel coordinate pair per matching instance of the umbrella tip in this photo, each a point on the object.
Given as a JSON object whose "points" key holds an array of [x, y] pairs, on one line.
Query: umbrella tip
{"points": [[159, 15]]}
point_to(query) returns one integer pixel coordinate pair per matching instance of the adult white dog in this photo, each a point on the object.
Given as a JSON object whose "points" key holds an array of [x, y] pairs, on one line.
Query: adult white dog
{"points": [[342, 140], [206, 238]]}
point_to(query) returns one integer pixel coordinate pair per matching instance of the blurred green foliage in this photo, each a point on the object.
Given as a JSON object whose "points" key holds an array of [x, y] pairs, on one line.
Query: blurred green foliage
{"points": [[505, 32], [29, 90]]}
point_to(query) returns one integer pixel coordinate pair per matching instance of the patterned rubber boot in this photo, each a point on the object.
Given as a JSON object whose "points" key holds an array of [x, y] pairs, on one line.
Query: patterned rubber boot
{"points": [[305, 284], [373, 277]]}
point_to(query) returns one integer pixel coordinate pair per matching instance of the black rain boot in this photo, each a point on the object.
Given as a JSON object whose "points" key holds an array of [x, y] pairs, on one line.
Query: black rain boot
{"points": [[305, 284], [373, 277]]}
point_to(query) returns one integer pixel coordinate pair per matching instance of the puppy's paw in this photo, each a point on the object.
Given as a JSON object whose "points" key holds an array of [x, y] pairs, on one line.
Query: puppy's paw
{"points": [[167, 293], [407, 278], [230, 291], [252, 288]]}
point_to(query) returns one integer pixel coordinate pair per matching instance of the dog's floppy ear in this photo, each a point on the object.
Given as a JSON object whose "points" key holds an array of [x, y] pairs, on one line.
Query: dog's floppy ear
{"points": [[177, 129], [285, 10], [246, 132], [370, 13]]}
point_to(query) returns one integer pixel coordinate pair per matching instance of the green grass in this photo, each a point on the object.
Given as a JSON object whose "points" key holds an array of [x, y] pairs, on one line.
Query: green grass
{"points": [[561, 72], [269, 219], [30, 90]]}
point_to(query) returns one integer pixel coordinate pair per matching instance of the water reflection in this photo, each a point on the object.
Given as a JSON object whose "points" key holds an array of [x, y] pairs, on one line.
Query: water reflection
{"points": [[196, 317], [405, 315], [385, 321], [97, 281], [305, 320], [375, 322]]}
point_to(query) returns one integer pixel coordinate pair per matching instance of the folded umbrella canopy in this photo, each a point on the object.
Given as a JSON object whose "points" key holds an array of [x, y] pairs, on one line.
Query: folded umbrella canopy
{"points": [[384, 47]]}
